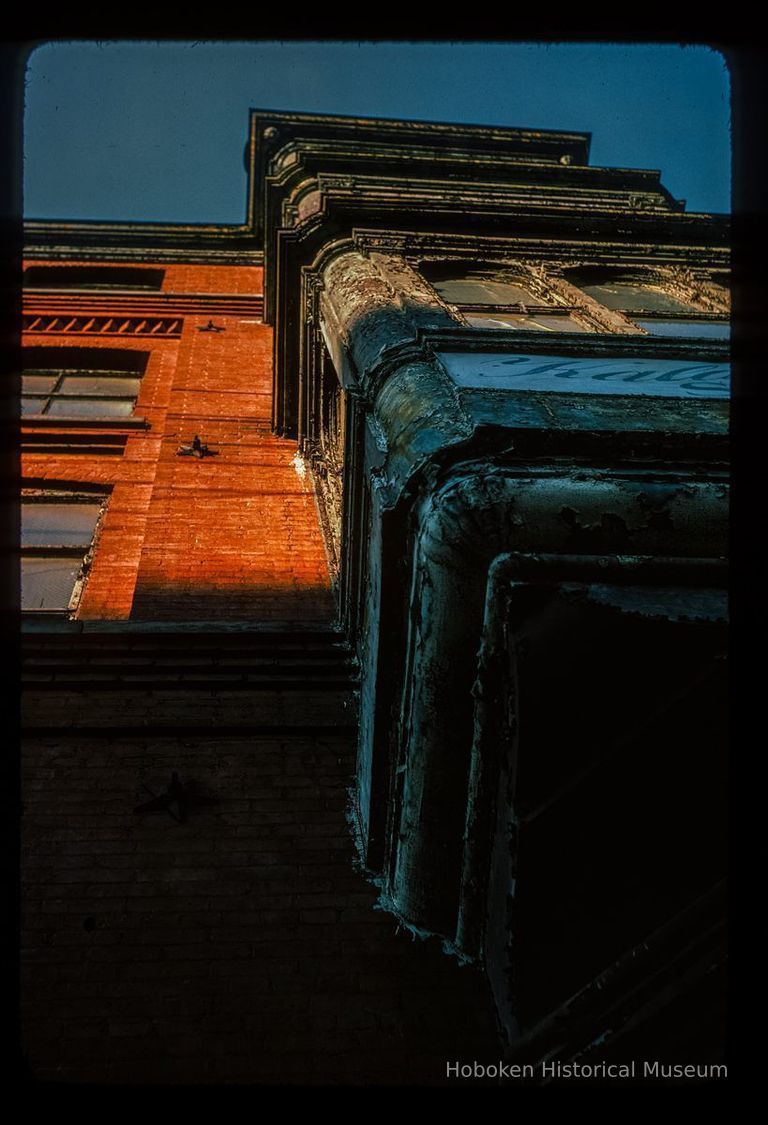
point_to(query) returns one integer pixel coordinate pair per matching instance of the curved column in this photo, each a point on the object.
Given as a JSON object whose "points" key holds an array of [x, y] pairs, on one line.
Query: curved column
{"points": [[471, 520]]}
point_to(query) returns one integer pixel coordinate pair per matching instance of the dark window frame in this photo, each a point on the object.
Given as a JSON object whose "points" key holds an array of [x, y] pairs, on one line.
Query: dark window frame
{"points": [[56, 394], [94, 277]]}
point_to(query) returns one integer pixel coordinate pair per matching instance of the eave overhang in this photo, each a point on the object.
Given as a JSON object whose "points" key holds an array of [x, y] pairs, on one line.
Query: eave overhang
{"points": [[58, 239], [271, 130], [538, 228]]}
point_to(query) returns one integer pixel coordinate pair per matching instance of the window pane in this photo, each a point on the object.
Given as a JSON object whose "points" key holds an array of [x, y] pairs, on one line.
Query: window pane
{"points": [[484, 291], [98, 385], [627, 296], [39, 383], [58, 525], [92, 408], [48, 583], [518, 321], [699, 329], [33, 405]]}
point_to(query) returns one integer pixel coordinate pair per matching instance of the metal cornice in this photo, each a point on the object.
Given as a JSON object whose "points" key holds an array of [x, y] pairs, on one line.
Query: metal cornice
{"points": [[541, 231], [586, 344], [60, 238], [425, 342], [496, 202], [75, 253], [270, 130], [456, 165], [426, 245], [363, 209], [380, 128]]}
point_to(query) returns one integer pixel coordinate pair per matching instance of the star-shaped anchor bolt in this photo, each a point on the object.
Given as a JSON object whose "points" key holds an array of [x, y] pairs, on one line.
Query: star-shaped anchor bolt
{"points": [[176, 796]]}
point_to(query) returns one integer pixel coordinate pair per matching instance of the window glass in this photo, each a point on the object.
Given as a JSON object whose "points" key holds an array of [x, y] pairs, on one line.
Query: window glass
{"points": [[91, 407], [58, 525], [48, 583], [56, 535], [484, 291], [80, 383], [519, 321], [697, 329], [632, 296], [33, 405], [40, 384], [98, 385]]}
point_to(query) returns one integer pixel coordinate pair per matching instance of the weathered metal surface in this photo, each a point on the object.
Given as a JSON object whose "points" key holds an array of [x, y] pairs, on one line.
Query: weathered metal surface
{"points": [[652, 377], [473, 518], [606, 417], [442, 475]]}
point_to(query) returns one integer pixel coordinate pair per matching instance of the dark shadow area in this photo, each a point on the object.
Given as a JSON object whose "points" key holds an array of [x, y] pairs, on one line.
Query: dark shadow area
{"points": [[238, 945], [621, 789], [84, 359], [177, 600], [93, 277]]}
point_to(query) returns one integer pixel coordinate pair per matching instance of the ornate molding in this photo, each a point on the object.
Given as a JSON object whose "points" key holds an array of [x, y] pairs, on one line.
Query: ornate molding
{"points": [[341, 183], [551, 252]]}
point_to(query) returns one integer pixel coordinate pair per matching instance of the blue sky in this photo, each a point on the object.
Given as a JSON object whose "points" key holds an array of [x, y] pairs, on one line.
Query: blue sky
{"points": [[155, 131]]}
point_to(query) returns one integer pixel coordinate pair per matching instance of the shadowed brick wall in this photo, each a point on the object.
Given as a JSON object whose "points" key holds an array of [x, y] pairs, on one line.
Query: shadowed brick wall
{"points": [[241, 945]]}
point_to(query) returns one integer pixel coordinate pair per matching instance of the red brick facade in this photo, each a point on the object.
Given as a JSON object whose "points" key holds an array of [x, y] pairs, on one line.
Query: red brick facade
{"points": [[232, 536]]}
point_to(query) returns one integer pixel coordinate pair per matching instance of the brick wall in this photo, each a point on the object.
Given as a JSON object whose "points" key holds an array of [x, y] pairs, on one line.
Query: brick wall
{"points": [[241, 945], [233, 536]]}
